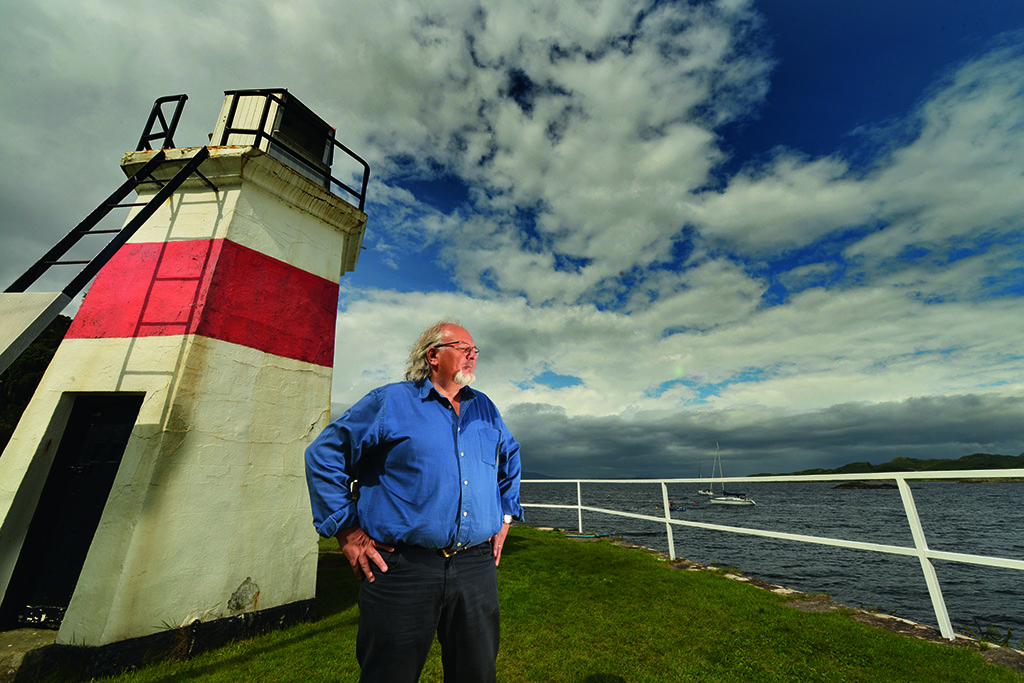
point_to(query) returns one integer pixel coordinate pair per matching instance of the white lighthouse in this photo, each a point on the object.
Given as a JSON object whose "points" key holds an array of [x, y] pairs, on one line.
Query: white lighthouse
{"points": [[156, 478]]}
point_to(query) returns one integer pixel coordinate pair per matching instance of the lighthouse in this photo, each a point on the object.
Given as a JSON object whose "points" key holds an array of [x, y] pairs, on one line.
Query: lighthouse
{"points": [[155, 480]]}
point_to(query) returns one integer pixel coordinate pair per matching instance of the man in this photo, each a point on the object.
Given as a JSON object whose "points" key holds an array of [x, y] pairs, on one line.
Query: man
{"points": [[419, 481]]}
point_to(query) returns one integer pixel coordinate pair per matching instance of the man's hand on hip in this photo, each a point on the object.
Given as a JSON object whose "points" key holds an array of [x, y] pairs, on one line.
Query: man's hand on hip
{"points": [[361, 551], [497, 541]]}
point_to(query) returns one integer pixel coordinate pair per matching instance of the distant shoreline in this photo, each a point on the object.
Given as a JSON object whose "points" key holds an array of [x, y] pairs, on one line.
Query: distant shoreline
{"points": [[974, 461]]}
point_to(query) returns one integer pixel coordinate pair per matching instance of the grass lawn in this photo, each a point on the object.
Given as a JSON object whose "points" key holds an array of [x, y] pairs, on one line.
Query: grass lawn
{"points": [[594, 612]]}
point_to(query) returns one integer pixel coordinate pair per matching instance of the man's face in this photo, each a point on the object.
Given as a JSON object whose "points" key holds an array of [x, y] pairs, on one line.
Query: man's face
{"points": [[453, 363]]}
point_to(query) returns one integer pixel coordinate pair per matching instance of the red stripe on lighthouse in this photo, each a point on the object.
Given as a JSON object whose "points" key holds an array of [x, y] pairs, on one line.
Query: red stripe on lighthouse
{"points": [[214, 288]]}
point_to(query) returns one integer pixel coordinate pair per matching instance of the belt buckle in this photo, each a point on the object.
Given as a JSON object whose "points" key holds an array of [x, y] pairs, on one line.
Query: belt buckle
{"points": [[447, 552]]}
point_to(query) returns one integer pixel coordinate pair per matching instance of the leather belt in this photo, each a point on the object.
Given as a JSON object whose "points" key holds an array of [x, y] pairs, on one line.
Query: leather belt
{"points": [[449, 552], [443, 552]]}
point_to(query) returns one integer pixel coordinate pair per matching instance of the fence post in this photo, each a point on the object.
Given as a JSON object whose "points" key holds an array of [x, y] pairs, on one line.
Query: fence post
{"points": [[668, 524], [579, 506], [930, 577]]}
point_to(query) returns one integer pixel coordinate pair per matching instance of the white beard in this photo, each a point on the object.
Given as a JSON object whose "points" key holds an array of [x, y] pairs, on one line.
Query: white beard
{"points": [[464, 378]]}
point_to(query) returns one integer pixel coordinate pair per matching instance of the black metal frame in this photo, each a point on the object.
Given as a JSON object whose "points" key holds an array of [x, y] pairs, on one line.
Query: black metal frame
{"points": [[157, 114], [260, 135]]}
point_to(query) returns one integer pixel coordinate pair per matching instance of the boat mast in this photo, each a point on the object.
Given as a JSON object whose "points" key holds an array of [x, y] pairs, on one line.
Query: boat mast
{"points": [[718, 459]]}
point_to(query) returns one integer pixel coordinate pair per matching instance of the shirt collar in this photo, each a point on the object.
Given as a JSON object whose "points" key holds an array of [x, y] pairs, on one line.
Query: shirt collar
{"points": [[426, 388]]}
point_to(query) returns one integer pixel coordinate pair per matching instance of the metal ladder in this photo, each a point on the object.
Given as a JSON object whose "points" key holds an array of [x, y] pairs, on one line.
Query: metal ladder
{"points": [[19, 338]]}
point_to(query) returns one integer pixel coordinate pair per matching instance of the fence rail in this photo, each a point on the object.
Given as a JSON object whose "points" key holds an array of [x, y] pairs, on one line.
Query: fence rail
{"points": [[920, 549]]}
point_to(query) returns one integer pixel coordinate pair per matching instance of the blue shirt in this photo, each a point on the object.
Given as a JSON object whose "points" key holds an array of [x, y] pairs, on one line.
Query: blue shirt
{"points": [[402, 465]]}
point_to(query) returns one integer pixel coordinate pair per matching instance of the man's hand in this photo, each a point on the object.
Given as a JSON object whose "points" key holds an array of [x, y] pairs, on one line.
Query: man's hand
{"points": [[496, 542], [361, 551]]}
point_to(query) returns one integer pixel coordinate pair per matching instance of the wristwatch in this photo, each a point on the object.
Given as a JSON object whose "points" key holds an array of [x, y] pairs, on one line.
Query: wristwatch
{"points": [[507, 519]]}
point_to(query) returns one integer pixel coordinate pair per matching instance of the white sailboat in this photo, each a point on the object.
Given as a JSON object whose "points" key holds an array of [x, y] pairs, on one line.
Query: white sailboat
{"points": [[704, 490], [725, 497]]}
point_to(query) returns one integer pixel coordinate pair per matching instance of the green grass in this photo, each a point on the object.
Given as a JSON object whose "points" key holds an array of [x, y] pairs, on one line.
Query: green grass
{"points": [[594, 612]]}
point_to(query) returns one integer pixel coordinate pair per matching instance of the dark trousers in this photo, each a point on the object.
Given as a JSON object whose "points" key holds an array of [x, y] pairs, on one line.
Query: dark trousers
{"points": [[422, 594]]}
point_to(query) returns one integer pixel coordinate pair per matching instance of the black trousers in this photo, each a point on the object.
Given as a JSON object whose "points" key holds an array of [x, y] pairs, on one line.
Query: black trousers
{"points": [[422, 594]]}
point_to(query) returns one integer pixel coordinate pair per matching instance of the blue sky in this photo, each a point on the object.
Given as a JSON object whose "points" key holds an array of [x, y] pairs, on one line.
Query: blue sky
{"points": [[794, 228]]}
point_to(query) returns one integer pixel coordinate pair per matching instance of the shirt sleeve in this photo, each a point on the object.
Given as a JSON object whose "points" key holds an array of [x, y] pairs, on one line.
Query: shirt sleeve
{"points": [[509, 473], [332, 465]]}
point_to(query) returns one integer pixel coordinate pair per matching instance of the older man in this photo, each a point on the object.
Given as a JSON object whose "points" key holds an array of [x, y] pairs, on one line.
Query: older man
{"points": [[419, 481]]}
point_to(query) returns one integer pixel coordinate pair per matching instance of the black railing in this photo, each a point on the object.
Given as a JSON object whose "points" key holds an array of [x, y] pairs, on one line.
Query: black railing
{"points": [[156, 115], [301, 121]]}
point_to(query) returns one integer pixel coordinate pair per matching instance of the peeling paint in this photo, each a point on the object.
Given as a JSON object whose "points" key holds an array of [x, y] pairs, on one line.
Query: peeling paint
{"points": [[245, 597]]}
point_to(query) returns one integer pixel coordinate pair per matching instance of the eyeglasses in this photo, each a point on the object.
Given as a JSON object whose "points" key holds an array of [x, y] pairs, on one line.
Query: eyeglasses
{"points": [[462, 347]]}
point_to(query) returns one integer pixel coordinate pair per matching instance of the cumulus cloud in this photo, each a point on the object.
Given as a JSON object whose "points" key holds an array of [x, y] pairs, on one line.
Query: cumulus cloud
{"points": [[557, 167], [598, 117], [952, 180]]}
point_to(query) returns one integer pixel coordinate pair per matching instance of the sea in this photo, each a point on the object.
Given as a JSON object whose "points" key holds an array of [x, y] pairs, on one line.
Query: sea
{"points": [[978, 518]]}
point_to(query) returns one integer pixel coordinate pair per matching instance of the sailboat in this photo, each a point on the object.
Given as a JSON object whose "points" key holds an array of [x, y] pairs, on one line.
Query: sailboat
{"points": [[704, 490], [725, 497]]}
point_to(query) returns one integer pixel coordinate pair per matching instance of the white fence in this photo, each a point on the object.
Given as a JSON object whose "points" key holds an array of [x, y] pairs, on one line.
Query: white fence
{"points": [[920, 550]]}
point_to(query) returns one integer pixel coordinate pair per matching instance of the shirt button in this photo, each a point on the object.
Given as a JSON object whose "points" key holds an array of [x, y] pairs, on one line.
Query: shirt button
{"points": [[466, 482], [462, 455], [464, 514]]}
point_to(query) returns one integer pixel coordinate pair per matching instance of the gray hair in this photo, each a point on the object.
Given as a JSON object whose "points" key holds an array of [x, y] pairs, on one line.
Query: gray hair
{"points": [[417, 368]]}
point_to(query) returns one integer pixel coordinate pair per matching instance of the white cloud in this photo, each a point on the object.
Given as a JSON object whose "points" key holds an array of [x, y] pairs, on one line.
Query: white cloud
{"points": [[791, 202], [963, 176], [866, 344], [960, 177], [634, 278], [606, 142]]}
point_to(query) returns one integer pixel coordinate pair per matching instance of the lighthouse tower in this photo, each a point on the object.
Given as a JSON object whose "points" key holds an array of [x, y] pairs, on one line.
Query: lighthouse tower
{"points": [[156, 479]]}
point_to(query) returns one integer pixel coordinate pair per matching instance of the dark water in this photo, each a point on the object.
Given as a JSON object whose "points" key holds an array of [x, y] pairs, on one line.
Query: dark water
{"points": [[973, 518]]}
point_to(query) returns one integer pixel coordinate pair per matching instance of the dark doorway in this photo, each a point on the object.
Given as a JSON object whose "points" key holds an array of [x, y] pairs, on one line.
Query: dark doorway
{"points": [[69, 510]]}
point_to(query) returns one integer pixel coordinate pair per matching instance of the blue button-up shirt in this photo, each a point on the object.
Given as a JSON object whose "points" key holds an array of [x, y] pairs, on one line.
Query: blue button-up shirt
{"points": [[405, 467]]}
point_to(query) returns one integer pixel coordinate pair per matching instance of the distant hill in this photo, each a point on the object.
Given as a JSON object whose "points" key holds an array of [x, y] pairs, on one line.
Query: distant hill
{"points": [[975, 461]]}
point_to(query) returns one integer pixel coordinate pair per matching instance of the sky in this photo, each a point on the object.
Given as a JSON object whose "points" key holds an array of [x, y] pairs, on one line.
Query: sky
{"points": [[792, 228]]}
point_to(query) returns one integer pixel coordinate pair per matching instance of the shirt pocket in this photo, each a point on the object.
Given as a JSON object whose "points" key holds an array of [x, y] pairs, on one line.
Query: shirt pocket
{"points": [[489, 446]]}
